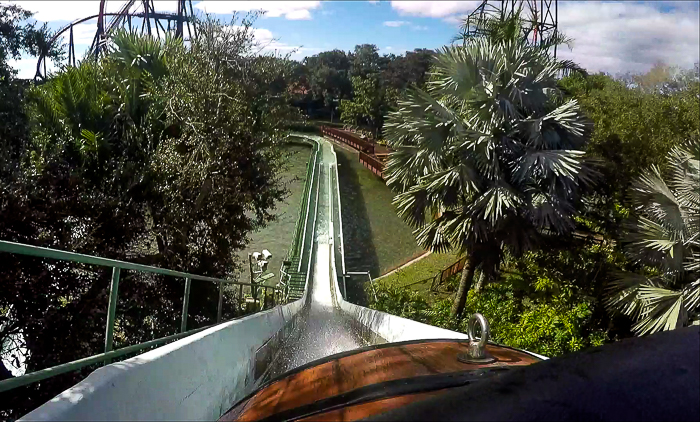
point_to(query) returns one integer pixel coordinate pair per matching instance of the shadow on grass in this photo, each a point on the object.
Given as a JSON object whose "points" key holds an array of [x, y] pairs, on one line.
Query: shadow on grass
{"points": [[360, 251]]}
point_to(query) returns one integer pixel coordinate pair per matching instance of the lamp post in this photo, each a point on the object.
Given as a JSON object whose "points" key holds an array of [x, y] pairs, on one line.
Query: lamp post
{"points": [[257, 265], [333, 102]]}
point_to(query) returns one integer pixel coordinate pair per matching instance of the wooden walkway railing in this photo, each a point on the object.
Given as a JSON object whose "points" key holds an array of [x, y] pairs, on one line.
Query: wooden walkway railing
{"points": [[443, 275], [373, 164], [447, 272], [365, 148], [349, 139]]}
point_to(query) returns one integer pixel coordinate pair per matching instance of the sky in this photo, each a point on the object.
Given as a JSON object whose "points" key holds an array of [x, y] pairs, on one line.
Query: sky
{"points": [[610, 36]]}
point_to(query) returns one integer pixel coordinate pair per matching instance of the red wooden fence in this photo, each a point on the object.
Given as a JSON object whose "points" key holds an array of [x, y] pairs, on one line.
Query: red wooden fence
{"points": [[349, 139], [372, 163], [443, 275], [447, 272], [365, 148]]}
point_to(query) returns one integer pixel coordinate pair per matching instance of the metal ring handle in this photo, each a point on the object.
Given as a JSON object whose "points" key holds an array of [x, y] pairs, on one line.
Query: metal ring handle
{"points": [[485, 332]]}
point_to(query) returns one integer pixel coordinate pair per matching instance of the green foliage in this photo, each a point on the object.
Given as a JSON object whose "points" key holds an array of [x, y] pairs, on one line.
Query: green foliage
{"points": [[664, 236], [17, 36], [551, 328], [632, 131], [159, 153], [369, 104], [322, 81], [409, 69], [365, 61], [546, 303], [633, 128], [327, 78]]}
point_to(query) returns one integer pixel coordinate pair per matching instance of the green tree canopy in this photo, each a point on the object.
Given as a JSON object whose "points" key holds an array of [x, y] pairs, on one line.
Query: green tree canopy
{"points": [[366, 60], [329, 75], [409, 69], [370, 103], [633, 130], [17, 36]]}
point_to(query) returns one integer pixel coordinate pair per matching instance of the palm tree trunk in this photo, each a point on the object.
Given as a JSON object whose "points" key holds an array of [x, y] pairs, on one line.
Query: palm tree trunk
{"points": [[464, 285], [480, 282]]}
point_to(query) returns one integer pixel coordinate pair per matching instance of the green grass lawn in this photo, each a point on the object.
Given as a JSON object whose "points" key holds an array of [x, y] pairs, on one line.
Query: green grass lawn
{"points": [[422, 269], [376, 239], [277, 236]]}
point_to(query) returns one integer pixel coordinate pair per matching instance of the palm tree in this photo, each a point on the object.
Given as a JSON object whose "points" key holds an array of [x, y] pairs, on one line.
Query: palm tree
{"points": [[99, 106], [666, 237], [490, 158]]}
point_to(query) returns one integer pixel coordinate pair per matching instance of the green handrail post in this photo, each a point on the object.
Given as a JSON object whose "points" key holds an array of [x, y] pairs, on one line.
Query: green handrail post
{"points": [[221, 302], [185, 305], [240, 300], [112, 309]]}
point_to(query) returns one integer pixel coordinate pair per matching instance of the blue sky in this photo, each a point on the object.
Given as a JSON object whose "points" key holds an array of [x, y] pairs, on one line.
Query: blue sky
{"points": [[609, 36]]}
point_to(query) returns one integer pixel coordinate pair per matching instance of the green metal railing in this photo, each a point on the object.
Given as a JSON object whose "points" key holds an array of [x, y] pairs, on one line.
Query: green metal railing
{"points": [[117, 266], [295, 250], [298, 241]]}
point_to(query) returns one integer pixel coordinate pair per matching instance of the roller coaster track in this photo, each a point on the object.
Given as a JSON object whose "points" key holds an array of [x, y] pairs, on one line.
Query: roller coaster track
{"points": [[539, 18], [123, 18]]}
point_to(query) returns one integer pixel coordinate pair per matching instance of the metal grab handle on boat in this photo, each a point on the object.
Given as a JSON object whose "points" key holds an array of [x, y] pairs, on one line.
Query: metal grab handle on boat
{"points": [[476, 352], [485, 330]]}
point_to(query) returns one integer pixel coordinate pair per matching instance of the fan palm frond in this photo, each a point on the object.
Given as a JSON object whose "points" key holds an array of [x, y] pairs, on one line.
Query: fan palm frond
{"points": [[664, 235], [623, 293]]}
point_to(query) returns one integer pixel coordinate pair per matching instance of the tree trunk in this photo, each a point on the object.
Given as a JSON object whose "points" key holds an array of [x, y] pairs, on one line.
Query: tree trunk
{"points": [[464, 285], [480, 282]]}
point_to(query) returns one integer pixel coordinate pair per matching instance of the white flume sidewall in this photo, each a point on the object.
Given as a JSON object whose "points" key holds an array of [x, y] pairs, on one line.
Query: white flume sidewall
{"points": [[195, 378], [390, 327]]}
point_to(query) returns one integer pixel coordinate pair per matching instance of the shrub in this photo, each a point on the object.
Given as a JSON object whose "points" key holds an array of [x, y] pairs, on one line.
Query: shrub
{"points": [[546, 302]]}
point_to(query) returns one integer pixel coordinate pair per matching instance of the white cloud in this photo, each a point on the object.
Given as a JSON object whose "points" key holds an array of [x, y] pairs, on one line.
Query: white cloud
{"points": [[626, 36], [301, 14], [395, 24], [434, 9], [268, 43], [612, 36], [289, 9], [373, 1], [419, 28], [25, 67], [388, 47], [82, 33], [50, 11]]}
